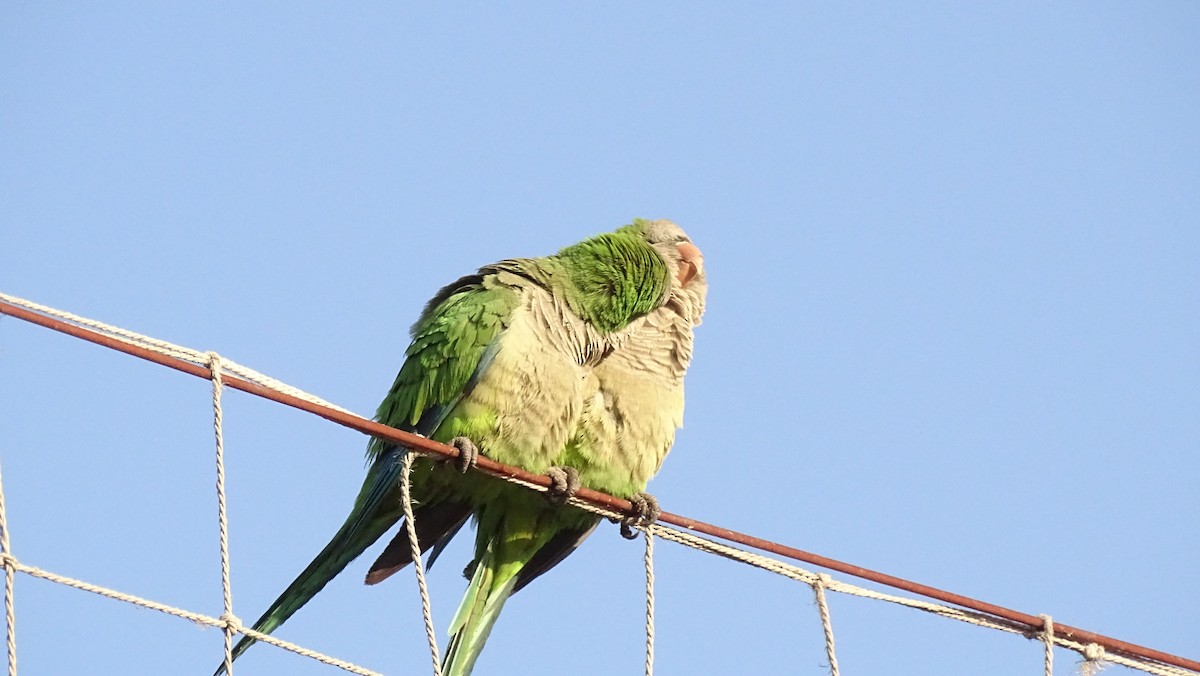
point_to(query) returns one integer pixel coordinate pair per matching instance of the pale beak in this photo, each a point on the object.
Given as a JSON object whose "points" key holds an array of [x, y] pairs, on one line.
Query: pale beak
{"points": [[691, 262]]}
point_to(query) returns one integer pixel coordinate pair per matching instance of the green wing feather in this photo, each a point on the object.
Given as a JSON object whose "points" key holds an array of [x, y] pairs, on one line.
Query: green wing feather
{"points": [[450, 341]]}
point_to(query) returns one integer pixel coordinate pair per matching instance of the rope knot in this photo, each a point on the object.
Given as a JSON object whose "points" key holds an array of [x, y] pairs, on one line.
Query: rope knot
{"points": [[230, 621], [1093, 652], [1093, 660], [1047, 625], [214, 364]]}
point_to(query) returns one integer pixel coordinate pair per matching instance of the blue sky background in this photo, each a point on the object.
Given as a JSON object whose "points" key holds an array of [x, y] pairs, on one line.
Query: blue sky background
{"points": [[953, 331]]}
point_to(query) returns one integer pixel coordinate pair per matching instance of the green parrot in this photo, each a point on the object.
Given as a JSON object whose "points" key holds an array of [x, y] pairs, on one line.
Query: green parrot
{"points": [[503, 362]]}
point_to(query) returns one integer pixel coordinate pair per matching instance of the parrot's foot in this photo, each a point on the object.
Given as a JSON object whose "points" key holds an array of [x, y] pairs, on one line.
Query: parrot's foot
{"points": [[468, 453], [564, 483], [469, 571], [645, 512]]}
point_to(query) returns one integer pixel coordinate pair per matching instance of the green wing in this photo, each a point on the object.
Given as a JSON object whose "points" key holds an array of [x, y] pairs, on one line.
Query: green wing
{"points": [[451, 345]]}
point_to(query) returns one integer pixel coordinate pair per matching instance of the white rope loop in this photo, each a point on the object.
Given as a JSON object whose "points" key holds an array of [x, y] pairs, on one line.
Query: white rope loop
{"points": [[1048, 641], [418, 564]]}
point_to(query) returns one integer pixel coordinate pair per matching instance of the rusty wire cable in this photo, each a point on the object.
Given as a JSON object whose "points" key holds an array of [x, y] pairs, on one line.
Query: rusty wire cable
{"points": [[1031, 625]]}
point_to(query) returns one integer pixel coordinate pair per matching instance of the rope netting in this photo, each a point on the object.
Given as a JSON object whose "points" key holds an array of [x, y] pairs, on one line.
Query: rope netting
{"points": [[1095, 650]]}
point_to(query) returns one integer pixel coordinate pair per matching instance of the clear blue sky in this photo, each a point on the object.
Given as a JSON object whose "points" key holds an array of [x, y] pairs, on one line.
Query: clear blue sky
{"points": [[953, 331]]}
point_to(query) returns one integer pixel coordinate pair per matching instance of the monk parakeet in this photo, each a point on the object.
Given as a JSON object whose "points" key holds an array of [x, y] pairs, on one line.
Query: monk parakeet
{"points": [[504, 362]]}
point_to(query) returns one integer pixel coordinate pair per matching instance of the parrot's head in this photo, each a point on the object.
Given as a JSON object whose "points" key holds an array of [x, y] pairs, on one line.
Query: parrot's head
{"points": [[688, 282]]}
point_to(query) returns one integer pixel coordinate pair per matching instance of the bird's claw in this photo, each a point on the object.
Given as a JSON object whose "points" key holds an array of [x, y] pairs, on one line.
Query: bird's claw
{"points": [[564, 483], [468, 453], [645, 512]]}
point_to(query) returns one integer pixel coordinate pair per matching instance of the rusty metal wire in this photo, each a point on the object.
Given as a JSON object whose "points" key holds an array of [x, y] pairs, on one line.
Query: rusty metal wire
{"points": [[1031, 625]]}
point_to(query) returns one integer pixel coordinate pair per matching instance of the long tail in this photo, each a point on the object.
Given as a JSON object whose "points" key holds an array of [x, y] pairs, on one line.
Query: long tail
{"points": [[509, 538], [480, 607], [366, 523]]}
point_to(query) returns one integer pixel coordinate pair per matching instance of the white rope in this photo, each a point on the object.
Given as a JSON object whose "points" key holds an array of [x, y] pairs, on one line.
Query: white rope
{"points": [[172, 350], [1048, 642], [648, 560], [818, 587], [10, 569], [204, 620], [1093, 655], [801, 575], [418, 564], [228, 622], [214, 366]]}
